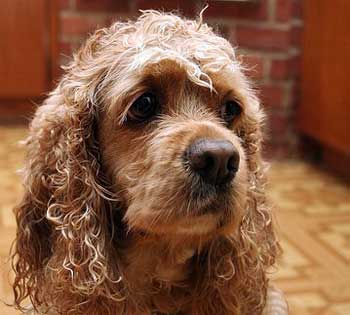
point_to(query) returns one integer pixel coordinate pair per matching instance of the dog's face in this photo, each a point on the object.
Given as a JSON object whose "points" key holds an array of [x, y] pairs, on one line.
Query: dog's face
{"points": [[170, 130]]}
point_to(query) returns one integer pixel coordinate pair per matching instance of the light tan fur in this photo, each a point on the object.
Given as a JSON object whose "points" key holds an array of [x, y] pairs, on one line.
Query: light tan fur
{"points": [[108, 224]]}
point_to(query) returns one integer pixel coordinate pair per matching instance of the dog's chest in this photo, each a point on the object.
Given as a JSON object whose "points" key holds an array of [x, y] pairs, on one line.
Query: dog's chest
{"points": [[156, 264], [160, 279], [176, 270]]}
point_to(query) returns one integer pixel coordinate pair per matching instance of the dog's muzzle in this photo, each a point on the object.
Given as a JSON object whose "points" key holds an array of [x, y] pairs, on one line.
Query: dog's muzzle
{"points": [[216, 161]]}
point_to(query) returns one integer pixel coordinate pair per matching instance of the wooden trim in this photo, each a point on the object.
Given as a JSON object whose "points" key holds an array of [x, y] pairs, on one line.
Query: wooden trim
{"points": [[54, 47], [337, 162], [17, 111], [324, 112]]}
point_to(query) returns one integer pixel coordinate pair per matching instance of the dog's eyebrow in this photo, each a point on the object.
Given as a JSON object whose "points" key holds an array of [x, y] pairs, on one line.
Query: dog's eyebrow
{"points": [[155, 55], [126, 100], [231, 84], [228, 93], [232, 95]]}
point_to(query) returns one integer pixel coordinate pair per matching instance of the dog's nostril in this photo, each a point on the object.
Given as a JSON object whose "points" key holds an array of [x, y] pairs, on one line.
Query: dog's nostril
{"points": [[216, 161], [209, 163], [232, 163]]}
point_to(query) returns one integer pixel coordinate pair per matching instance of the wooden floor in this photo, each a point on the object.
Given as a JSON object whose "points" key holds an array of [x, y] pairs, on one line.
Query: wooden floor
{"points": [[312, 210]]}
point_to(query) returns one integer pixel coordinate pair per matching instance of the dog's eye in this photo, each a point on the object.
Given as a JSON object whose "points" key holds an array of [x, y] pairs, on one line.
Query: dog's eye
{"points": [[143, 108], [230, 110]]}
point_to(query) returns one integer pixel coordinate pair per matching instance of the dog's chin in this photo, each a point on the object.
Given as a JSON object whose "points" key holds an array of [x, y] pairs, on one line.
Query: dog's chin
{"points": [[198, 225], [206, 221], [189, 226], [197, 215]]}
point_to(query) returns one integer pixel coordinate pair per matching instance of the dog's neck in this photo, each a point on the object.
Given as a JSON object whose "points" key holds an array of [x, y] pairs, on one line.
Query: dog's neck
{"points": [[158, 259]]}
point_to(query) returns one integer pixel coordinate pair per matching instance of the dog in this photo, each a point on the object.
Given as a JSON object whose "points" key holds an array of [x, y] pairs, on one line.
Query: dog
{"points": [[144, 182]]}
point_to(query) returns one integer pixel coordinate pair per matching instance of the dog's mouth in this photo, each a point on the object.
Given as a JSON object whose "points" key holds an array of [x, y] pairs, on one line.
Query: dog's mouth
{"points": [[208, 198], [204, 212], [186, 205], [214, 212]]}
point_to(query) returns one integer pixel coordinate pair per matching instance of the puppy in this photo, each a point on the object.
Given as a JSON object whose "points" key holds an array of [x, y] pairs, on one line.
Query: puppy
{"points": [[144, 184]]}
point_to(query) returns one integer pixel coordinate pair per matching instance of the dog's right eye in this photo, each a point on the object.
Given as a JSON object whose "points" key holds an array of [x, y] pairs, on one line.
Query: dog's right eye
{"points": [[230, 110], [143, 108]]}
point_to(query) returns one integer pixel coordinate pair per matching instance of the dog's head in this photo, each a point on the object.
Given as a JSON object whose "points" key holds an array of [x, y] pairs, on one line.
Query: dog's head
{"points": [[155, 126], [175, 103]]}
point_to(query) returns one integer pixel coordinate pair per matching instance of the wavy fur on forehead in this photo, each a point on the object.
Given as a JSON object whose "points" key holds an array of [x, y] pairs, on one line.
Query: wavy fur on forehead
{"points": [[66, 255]]}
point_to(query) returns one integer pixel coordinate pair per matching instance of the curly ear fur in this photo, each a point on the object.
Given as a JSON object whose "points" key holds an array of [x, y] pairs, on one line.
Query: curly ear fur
{"points": [[257, 247], [64, 208]]}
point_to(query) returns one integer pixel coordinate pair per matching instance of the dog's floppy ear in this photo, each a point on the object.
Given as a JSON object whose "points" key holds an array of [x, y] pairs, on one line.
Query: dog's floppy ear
{"points": [[257, 224], [62, 230]]}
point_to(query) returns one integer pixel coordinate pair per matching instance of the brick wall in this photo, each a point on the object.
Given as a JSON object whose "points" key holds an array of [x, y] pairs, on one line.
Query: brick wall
{"points": [[267, 34]]}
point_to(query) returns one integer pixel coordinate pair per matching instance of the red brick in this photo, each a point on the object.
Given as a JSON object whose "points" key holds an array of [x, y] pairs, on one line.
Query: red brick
{"points": [[254, 11], [293, 95], [297, 9], [254, 66], [64, 4], [262, 38], [222, 29], [278, 130], [65, 48], [103, 5], [280, 69], [79, 25], [109, 20], [271, 95], [296, 35], [295, 66], [277, 150], [283, 10], [186, 7], [278, 125]]}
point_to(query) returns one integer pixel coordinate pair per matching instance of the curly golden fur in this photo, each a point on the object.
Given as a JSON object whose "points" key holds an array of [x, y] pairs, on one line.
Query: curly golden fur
{"points": [[108, 223]]}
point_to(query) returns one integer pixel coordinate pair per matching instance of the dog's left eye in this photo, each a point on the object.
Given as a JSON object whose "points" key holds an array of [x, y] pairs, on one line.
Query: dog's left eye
{"points": [[143, 108], [230, 110]]}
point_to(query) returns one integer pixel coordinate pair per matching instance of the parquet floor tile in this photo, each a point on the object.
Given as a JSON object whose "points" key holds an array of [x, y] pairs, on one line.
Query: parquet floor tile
{"points": [[312, 209], [313, 214]]}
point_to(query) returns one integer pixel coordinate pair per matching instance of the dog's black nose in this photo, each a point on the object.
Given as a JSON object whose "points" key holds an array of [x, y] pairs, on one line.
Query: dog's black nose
{"points": [[216, 161]]}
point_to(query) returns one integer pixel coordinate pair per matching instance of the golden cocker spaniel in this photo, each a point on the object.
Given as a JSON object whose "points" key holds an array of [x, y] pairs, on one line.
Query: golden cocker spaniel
{"points": [[144, 183]]}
